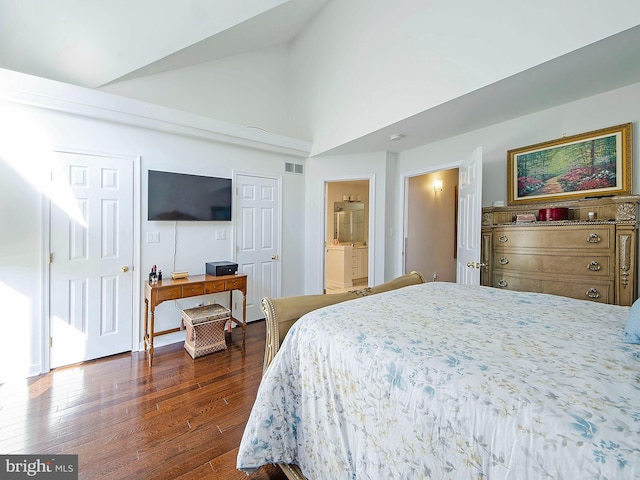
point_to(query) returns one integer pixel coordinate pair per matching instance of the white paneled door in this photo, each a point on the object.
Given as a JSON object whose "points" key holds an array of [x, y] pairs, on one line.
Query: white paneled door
{"points": [[469, 219], [90, 284], [257, 238]]}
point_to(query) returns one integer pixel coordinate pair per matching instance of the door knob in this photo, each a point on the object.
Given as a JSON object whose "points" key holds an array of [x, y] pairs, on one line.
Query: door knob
{"points": [[125, 269], [476, 264], [274, 257]]}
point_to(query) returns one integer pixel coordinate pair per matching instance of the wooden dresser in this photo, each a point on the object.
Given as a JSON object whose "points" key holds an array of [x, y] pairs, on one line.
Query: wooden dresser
{"points": [[580, 258]]}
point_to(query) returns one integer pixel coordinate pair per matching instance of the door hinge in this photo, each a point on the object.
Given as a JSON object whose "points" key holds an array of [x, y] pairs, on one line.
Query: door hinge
{"points": [[50, 257], [50, 342]]}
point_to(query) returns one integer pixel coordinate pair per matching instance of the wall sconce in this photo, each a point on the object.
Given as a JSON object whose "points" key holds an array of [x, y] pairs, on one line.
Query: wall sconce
{"points": [[437, 186]]}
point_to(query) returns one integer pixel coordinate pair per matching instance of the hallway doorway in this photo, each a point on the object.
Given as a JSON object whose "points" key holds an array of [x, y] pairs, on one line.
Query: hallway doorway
{"points": [[431, 227]]}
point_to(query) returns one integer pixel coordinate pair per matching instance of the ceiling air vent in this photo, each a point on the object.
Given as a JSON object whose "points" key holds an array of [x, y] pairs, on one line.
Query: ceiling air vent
{"points": [[293, 168]]}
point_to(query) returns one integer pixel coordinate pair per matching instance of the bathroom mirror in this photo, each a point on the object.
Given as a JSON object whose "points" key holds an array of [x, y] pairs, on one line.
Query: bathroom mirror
{"points": [[348, 222]]}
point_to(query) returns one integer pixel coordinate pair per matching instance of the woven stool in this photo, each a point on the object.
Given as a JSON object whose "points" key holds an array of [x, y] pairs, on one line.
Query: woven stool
{"points": [[205, 329]]}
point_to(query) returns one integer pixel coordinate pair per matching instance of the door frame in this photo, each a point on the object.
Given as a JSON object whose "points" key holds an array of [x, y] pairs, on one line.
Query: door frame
{"points": [[136, 342], [234, 216], [405, 203], [371, 280]]}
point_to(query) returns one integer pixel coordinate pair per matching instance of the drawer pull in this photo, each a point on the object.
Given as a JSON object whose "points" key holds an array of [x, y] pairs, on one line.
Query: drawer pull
{"points": [[592, 293], [594, 266], [503, 238], [502, 283], [593, 238], [503, 260]]}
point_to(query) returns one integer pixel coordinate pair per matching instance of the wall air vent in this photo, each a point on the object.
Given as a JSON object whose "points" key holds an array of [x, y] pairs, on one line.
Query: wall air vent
{"points": [[293, 168]]}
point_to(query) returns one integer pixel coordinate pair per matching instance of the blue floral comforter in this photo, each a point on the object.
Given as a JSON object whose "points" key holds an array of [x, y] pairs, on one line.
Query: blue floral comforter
{"points": [[443, 381]]}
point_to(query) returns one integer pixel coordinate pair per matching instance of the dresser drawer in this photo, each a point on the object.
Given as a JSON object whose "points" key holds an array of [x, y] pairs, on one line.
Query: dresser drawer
{"points": [[602, 292], [193, 290], [596, 237], [588, 265], [598, 291]]}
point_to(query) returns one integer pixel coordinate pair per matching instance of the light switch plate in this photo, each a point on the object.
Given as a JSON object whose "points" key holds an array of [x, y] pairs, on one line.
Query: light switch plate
{"points": [[153, 237], [220, 235]]}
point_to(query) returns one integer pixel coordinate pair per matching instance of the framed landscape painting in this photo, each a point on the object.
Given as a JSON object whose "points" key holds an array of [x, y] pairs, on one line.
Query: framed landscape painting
{"points": [[592, 164]]}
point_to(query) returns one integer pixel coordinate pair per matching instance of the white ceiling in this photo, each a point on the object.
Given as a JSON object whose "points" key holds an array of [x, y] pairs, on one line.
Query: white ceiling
{"points": [[93, 43], [602, 66]]}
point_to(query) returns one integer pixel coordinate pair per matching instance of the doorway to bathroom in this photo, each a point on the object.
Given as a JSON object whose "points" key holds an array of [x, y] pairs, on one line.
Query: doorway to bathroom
{"points": [[347, 211]]}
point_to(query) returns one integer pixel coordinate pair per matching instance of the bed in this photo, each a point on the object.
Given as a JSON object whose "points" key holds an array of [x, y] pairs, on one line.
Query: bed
{"points": [[441, 380]]}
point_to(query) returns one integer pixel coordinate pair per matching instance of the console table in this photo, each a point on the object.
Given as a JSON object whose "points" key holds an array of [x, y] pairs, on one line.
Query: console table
{"points": [[193, 286]]}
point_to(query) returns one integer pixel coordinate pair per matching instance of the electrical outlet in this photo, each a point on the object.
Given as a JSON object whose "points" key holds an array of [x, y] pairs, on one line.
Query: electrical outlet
{"points": [[153, 237], [220, 235], [435, 275]]}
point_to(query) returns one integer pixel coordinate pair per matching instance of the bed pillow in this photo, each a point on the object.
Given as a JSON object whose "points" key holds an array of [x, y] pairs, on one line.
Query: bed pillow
{"points": [[632, 330]]}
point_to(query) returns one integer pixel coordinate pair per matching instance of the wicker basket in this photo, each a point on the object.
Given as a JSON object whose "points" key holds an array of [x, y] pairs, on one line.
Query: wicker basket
{"points": [[205, 329]]}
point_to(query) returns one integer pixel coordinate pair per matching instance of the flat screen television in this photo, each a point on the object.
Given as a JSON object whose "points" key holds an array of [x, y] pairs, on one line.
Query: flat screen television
{"points": [[180, 196]]}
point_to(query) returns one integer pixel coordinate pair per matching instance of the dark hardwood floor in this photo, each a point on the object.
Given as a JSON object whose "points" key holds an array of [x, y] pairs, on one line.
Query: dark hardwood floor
{"points": [[181, 418]]}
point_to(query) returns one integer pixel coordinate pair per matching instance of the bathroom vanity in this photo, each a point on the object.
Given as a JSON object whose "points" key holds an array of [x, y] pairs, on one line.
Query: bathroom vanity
{"points": [[346, 264]]}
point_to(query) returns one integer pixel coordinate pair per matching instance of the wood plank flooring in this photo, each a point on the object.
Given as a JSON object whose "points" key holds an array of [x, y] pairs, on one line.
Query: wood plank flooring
{"points": [[179, 419]]}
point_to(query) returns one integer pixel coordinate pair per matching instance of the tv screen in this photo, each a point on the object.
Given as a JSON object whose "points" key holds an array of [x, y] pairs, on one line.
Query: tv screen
{"points": [[179, 196]]}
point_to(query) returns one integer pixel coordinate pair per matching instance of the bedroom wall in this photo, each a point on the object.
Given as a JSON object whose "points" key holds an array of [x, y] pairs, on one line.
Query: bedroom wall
{"points": [[600, 111], [81, 119]]}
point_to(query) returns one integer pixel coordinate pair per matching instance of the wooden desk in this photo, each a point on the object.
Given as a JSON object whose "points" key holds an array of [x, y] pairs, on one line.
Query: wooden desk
{"points": [[195, 285]]}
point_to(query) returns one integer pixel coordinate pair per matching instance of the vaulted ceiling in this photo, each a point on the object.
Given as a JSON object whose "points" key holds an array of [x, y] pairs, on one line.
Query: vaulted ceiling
{"points": [[94, 43]]}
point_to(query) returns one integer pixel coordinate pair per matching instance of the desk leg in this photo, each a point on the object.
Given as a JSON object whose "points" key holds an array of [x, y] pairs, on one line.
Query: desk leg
{"points": [[146, 323], [148, 329], [244, 317], [230, 327]]}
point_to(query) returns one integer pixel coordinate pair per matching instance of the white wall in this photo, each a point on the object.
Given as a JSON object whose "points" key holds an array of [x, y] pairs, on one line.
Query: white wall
{"points": [[362, 65], [600, 111], [89, 121]]}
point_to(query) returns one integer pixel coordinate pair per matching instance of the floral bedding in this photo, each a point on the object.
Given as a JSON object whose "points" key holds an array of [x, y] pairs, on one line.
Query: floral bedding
{"points": [[441, 380]]}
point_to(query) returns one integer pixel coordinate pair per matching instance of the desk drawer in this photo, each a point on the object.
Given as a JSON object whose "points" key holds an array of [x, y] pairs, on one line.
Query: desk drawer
{"points": [[170, 293], [236, 283], [214, 287], [193, 290]]}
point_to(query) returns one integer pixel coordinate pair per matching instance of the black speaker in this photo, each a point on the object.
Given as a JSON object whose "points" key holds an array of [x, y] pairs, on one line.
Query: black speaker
{"points": [[218, 269]]}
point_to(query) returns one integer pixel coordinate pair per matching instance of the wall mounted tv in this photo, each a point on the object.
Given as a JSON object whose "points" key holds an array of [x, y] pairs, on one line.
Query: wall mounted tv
{"points": [[179, 196]]}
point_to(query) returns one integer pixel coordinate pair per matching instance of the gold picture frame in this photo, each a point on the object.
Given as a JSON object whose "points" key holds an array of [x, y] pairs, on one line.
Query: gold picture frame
{"points": [[591, 164]]}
